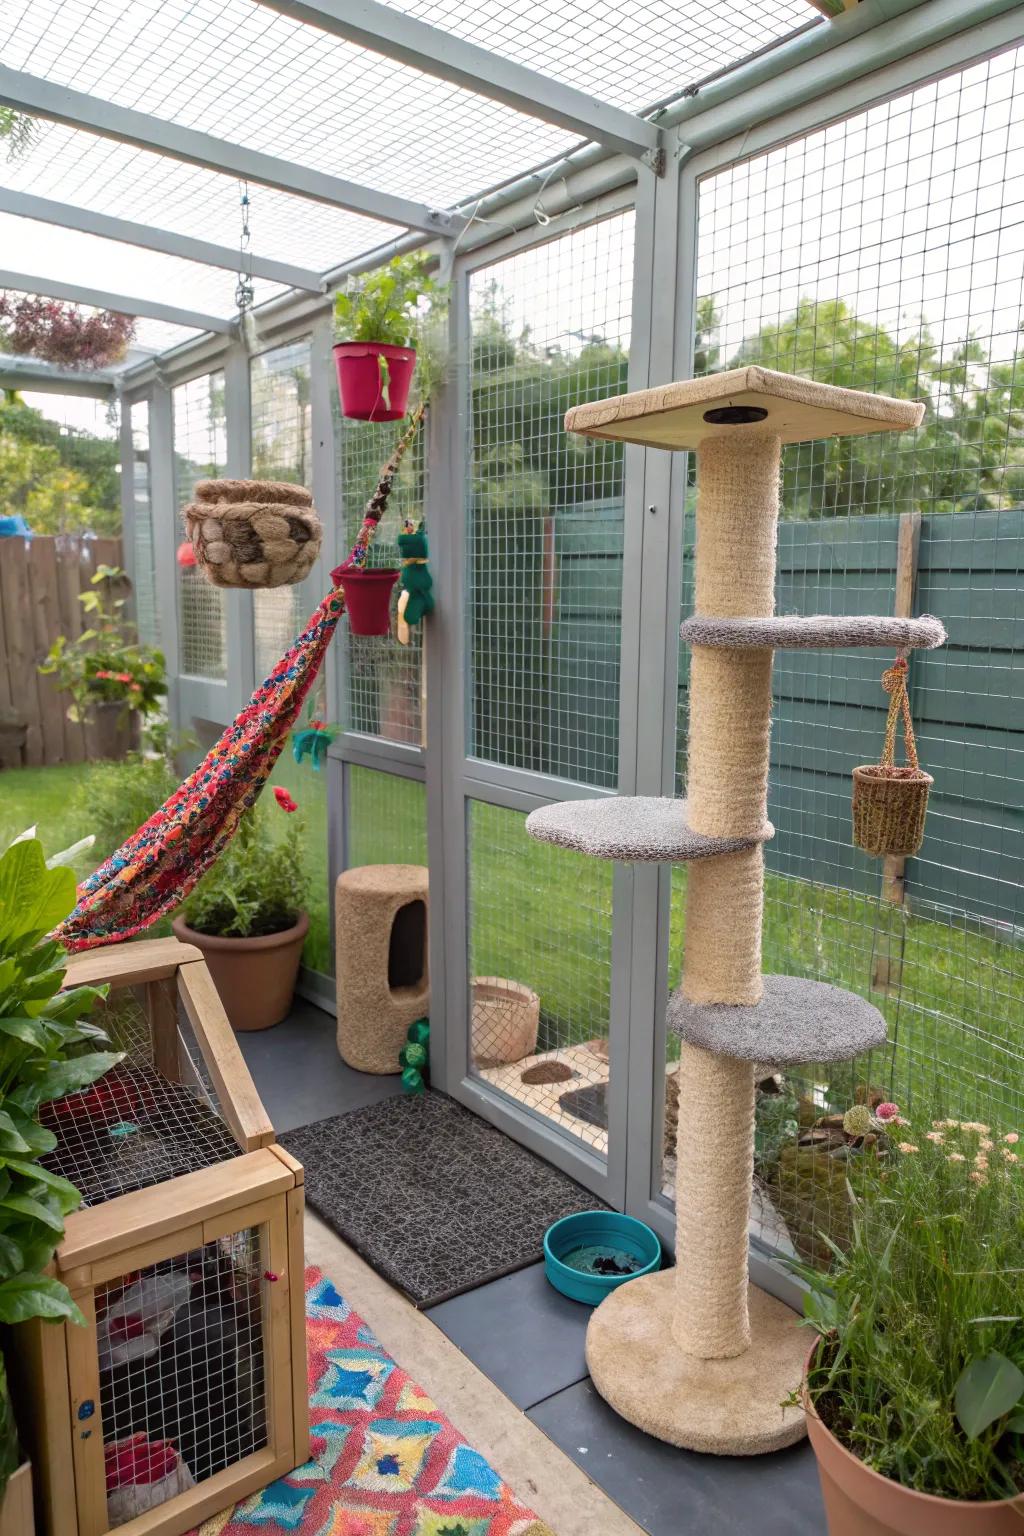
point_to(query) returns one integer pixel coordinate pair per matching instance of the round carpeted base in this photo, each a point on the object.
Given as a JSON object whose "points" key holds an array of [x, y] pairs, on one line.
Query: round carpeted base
{"points": [[819, 632], [633, 829], [797, 1020], [722, 1407]]}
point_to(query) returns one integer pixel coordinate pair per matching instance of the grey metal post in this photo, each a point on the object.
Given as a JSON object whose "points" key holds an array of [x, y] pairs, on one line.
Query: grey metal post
{"points": [[165, 539]]}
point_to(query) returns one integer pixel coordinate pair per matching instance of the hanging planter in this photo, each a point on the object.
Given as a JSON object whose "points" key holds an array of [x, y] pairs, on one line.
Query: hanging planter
{"points": [[374, 379], [379, 316], [890, 803], [253, 533], [367, 598]]}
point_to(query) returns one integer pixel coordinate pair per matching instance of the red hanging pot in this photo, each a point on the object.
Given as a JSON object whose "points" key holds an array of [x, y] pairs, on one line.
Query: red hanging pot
{"points": [[373, 379], [368, 598]]}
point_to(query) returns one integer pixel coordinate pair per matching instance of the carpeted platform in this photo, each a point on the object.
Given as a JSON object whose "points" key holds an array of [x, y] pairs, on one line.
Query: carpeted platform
{"points": [[434, 1198], [383, 1459]]}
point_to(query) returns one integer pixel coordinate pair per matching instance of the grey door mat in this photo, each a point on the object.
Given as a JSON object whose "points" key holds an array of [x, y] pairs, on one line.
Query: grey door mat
{"points": [[433, 1198]]}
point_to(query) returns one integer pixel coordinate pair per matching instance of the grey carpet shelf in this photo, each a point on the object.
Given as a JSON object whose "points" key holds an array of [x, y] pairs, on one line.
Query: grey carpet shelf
{"points": [[822, 632], [795, 1021], [632, 829]]}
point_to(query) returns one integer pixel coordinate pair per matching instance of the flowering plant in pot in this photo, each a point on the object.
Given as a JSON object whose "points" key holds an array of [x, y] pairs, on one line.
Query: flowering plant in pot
{"points": [[63, 334], [915, 1386], [113, 679], [48, 1048], [248, 915], [379, 316]]}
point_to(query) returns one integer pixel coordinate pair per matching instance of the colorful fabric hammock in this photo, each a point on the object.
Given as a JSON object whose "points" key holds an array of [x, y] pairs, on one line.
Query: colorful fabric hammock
{"points": [[157, 868]]}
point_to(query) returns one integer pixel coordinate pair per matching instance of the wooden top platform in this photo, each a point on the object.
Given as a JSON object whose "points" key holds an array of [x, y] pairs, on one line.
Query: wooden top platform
{"points": [[756, 399]]}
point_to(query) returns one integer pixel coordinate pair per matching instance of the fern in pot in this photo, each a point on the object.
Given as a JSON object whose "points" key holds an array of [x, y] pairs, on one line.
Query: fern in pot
{"points": [[248, 915], [915, 1386], [48, 1048], [378, 320]]}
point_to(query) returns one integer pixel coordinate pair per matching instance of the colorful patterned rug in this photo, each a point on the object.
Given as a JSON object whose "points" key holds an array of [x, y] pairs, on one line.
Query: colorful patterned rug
{"points": [[385, 1461]]}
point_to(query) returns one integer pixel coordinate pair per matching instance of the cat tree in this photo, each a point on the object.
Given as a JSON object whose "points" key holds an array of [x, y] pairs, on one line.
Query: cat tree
{"points": [[696, 1355]]}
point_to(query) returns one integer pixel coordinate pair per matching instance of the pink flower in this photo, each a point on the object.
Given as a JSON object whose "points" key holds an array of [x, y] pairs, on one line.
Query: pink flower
{"points": [[123, 677], [1011, 1138], [956, 1157], [908, 1146], [935, 1136], [284, 799], [885, 1112]]}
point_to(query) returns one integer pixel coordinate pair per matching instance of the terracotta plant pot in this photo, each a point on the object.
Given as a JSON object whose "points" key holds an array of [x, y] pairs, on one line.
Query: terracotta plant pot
{"points": [[118, 731], [368, 599], [255, 977], [368, 391], [860, 1502]]}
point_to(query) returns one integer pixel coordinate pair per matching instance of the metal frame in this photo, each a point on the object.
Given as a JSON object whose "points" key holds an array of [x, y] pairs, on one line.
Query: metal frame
{"points": [[398, 36], [43, 98], [831, 71], [146, 308], [48, 211]]}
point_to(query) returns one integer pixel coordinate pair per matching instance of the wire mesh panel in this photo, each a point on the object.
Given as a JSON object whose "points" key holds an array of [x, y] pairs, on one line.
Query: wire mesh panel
{"points": [[384, 681], [886, 252], [200, 453], [550, 328], [282, 449], [540, 923], [387, 818], [133, 1128], [144, 582], [182, 1376]]}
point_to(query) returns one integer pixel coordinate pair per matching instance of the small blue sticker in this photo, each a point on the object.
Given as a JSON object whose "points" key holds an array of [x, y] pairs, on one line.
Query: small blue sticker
{"points": [[87, 1409]]}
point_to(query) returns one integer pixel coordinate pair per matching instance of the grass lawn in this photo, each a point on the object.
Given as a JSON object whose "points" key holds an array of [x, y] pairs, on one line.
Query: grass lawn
{"points": [[543, 916]]}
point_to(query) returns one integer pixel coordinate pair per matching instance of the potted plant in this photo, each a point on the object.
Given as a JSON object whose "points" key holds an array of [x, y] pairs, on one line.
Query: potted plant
{"points": [[114, 680], [47, 1049], [248, 916], [914, 1390], [377, 319]]}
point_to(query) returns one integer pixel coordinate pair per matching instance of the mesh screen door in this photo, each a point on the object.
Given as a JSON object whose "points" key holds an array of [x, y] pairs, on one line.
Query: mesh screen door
{"points": [[543, 555], [886, 252], [200, 453]]}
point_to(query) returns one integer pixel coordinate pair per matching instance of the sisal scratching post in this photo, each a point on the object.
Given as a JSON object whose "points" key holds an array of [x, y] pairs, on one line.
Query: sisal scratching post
{"points": [[382, 983], [697, 1355]]}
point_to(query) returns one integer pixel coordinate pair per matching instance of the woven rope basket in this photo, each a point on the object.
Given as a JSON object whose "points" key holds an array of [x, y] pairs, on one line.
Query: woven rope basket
{"points": [[253, 533], [890, 803]]}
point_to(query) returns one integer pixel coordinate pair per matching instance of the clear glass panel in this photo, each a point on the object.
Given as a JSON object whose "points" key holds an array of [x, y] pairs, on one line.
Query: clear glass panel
{"points": [[145, 559], [550, 328], [387, 818], [886, 252], [200, 453], [384, 681], [282, 449], [540, 927]]}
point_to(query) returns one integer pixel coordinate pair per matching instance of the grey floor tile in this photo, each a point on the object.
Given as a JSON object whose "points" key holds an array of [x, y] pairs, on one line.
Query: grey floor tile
{"points": [[299, 1074], [521, 1333], [678, 1493]]}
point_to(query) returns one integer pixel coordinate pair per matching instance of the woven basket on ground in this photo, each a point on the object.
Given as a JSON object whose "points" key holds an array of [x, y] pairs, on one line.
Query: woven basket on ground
{"points": [[889, 803], [253, 533]]}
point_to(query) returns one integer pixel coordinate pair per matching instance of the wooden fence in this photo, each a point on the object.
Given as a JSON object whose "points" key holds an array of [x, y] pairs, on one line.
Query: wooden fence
{"points": [[40, 579]]}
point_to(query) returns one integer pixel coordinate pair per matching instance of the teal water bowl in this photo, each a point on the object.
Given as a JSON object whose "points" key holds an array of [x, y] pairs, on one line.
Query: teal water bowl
{"points": [[587, 1256]]}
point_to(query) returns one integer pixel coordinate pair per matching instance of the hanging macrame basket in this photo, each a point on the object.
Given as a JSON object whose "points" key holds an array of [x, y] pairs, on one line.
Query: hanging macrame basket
{"points": [[890, 803], [253, 533]]}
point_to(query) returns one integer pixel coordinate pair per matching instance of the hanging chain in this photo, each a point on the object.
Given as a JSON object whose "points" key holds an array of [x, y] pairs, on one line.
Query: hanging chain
{"points": [[245, 292]]}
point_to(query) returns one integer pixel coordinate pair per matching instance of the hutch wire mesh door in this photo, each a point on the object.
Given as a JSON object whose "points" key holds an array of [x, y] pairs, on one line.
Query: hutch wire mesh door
{"points": [[186, 1390]]}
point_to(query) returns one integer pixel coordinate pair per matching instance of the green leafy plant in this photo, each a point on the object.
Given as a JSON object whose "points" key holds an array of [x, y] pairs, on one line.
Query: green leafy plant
{"points": [[259, 884], [384, 304], [18, 131], [47, 1049], [920, 1368], [106, 664], [118, 797]]}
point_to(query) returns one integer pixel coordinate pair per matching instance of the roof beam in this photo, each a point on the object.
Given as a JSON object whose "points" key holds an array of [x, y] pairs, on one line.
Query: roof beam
{"points": [[26, 205], [384, 29], [24, 373], [119, 302], [42, 98]]}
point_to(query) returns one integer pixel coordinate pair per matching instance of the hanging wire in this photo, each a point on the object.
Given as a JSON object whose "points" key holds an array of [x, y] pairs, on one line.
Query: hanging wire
{"points": [[245, 291]]}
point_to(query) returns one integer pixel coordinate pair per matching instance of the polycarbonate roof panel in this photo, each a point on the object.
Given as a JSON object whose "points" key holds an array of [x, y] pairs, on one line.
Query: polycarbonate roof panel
{"points": [[630, 55], [245, 73], [106, 176]]}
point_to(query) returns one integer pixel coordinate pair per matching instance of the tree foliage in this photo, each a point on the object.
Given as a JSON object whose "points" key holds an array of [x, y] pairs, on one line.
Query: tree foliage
{"points": [[61, 480]]}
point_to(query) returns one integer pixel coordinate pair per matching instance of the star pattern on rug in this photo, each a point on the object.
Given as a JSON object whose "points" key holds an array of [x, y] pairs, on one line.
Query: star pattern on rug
{"points": [[384, 1461]]}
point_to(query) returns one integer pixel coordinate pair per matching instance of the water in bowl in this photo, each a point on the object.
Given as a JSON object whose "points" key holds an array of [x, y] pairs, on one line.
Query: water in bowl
{"points": [[600, 1259]]}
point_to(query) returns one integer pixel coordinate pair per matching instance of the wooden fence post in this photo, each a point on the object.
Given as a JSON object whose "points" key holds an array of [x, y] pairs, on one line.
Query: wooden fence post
{"points": [[888, 957]]}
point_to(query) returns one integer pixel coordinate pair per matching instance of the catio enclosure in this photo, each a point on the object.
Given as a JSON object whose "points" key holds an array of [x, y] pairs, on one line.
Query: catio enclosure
{"points": [[836, 196]]}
